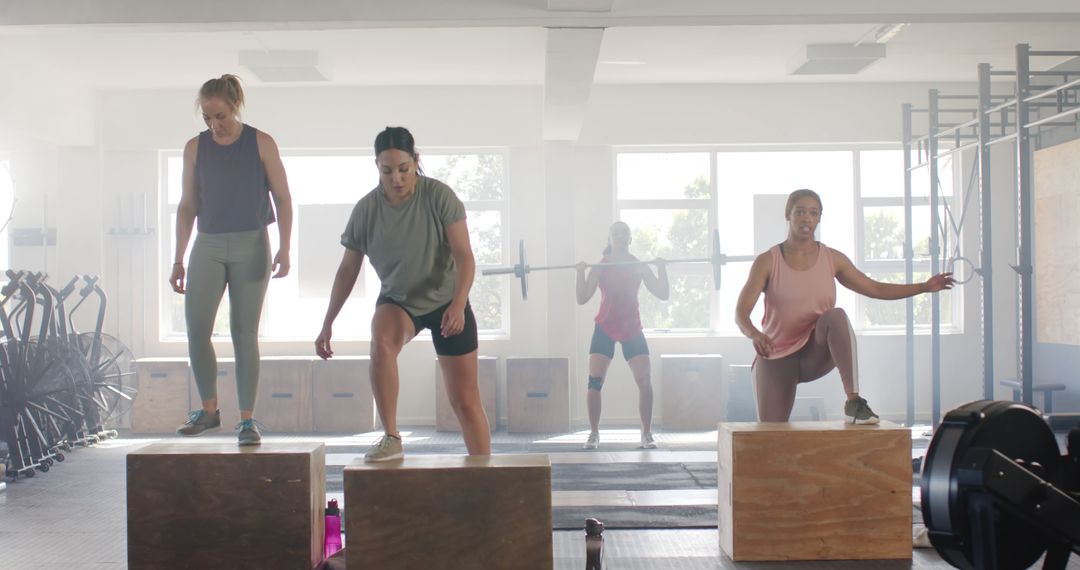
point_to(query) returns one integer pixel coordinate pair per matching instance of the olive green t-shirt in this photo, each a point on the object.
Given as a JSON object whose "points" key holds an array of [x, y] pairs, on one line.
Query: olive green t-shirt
{"points": [[407, 243]]}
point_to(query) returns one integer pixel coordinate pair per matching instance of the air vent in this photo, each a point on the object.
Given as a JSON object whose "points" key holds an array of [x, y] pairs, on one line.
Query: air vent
{"points": [[837, 59], [283, 66]]}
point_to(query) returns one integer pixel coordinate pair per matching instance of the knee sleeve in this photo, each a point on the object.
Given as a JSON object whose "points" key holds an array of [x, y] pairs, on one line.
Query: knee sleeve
{"points": [[596, 383]]}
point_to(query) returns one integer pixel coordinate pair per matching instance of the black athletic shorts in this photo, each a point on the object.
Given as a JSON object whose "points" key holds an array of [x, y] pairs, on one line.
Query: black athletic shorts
{"points": [[604, 344], [462, 343]]}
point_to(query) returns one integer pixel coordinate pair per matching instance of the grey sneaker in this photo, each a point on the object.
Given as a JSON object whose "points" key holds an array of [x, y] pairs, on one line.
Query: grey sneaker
{"points": [[200, 422], [249, 433], [388, 448], [647, 441], [859, 412], [593, 442]]}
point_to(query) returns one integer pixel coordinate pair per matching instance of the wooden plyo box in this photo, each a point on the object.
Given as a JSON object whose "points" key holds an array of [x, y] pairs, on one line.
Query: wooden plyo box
{"points": [[814, 491], [162, 403], [209, 506], [341, 395], [538, 395], [449, 512], [691, 391], [283, 402], [487, 374]]}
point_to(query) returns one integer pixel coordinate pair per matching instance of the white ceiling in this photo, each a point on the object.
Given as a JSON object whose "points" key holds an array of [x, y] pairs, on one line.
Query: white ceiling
{"points": [[132, 59], [80, 48]]}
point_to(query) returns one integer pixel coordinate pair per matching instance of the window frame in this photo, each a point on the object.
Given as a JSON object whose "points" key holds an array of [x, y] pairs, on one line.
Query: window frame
{"points": [[919, 264], [167, 213], [860, 203], [708, 204]]}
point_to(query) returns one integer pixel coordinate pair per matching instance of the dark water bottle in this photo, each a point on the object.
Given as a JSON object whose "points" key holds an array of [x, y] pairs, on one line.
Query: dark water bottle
{"points": [[594, 544]]}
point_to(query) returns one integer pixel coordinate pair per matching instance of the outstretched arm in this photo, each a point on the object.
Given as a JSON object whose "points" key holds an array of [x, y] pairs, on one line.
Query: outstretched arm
{"points": [[849, 276]]}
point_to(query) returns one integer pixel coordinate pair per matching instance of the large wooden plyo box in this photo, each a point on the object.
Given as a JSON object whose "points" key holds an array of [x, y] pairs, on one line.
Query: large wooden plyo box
{"points": [[445, 418], [209, 506], [814, 491], [449, 512], [162, 402], [538, 395], [691, 391], [341, 395]]}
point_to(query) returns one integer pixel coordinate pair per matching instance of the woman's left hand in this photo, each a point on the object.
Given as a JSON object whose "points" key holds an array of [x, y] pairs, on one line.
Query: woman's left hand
{"points": [[453, 320], [281, 264], [939, 282]]}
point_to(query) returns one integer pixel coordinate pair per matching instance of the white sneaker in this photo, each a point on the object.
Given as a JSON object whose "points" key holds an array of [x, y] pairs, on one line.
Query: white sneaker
{"points": [[388, 448], [647, 441], [593, 442]]}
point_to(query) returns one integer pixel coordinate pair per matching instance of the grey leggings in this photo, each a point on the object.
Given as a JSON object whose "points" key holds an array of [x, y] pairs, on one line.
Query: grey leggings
{"points": [[831, 345], [240, 260]]}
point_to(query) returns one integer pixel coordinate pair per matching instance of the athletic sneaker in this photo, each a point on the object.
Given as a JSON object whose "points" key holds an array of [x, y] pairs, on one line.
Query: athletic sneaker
{"points": [[249, 433], [859, 412], [593, 442], [200, 422], [647, 441], [388, 448]]}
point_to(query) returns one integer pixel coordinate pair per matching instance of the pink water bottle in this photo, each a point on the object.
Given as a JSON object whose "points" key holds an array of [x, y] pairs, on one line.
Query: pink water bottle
{"points": [[332, 540]]}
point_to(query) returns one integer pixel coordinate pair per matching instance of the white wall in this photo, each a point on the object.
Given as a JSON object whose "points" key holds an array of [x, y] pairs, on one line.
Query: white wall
{"points": [[572, 185]]}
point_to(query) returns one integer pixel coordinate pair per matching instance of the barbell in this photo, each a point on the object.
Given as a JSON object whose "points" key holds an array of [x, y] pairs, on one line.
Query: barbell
{"points": [[522, 269]]}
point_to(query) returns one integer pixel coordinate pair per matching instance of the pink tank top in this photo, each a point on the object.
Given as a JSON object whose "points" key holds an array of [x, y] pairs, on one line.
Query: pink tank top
{"points": [[618, 316], [795, 299]]}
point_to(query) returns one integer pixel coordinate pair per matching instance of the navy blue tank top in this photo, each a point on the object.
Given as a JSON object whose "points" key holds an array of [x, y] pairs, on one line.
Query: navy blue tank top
{"points": [[234, 195]]}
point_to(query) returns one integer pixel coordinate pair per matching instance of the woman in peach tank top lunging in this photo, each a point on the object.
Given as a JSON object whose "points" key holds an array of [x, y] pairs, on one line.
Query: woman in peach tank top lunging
{"points": [[804, 335]]}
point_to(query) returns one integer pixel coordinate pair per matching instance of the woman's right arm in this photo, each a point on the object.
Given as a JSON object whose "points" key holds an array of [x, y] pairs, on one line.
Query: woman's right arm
{"points": [[754, 287], [586, 286], [185, 214], [344, 280]]}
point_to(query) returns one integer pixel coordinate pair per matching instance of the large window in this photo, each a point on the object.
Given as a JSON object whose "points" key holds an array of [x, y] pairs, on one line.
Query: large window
{"points": [[674, 200], [325, 186], [666, 199], [880, 225]]}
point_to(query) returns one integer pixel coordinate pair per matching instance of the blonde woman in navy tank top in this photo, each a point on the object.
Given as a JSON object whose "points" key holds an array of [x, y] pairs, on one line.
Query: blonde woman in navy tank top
{"points": [[804, 335], [233, 182]]}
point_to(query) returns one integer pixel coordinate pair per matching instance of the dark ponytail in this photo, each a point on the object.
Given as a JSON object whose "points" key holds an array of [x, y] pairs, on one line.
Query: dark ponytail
{"points": [[398, 138]]}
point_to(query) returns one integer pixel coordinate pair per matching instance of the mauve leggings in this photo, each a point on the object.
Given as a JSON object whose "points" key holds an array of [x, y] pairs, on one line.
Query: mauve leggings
{"points": [[832, 345]]}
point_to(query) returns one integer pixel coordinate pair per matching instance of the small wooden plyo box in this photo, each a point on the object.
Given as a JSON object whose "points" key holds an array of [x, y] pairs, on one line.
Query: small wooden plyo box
{"points": [[162, 402], [449, 512], [814, 491], [691, 392], [538, 395], [208, 506], [341, 395], [487, 374]]}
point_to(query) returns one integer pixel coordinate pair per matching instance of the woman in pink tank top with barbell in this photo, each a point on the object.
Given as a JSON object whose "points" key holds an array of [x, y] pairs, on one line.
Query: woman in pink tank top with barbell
{"points": [[804, 335]]}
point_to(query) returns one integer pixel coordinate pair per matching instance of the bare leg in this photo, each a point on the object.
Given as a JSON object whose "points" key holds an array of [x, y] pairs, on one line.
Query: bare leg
{"points": [[641, 367], [463, 389], [391, 328], [598, 367]]}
